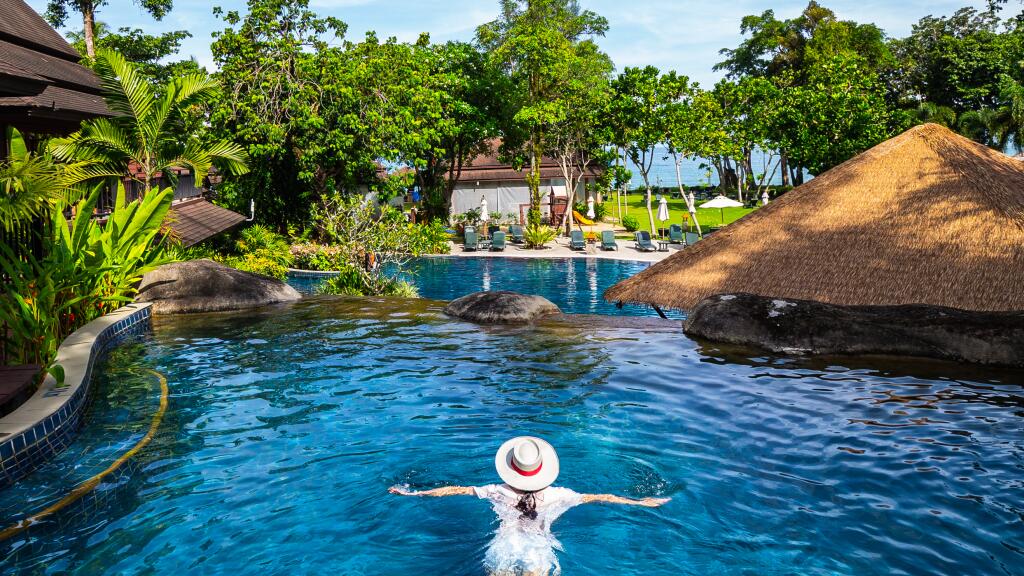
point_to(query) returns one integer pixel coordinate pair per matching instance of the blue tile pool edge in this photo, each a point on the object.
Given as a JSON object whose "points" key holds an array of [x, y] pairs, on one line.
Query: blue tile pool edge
{"points": [[46, 424]]}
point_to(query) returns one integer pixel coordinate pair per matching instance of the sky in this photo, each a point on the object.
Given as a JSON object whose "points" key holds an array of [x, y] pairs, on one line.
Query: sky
{"points": [[671, 34]]}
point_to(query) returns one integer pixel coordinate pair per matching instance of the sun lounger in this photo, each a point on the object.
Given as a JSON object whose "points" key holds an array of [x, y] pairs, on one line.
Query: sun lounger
{"points": [[608, 240], [498, 241], [576, 241], [643, 242], [692, 238], [675, 234], [472, 241], [516, 231]]}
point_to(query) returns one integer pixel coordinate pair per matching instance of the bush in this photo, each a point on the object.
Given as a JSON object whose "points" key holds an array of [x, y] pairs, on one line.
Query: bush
{"points": [[353, 282], [258, 250], [430, 238], [537, 236], [630, 223], [320, 257]]}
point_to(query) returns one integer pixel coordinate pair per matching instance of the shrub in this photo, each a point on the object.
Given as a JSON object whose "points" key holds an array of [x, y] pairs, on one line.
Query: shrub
{"points": [[261, 251], [630, 223], [352, 281], [537, 236], [320, 257], [430, 238]]}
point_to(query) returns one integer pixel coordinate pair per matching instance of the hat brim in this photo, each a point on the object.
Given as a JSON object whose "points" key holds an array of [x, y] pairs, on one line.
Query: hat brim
{"points": [[548, 472]]}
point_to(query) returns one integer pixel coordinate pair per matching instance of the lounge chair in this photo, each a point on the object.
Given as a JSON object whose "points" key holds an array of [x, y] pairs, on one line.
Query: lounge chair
{"points": [[471, 242], [675, 234], [576, 241], [692, 238], [517, 234], [643, 242], [498, 241], [608, 240]]}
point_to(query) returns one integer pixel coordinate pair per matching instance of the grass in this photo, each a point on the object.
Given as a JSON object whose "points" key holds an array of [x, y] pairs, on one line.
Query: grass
{"points": [[676, 211]]}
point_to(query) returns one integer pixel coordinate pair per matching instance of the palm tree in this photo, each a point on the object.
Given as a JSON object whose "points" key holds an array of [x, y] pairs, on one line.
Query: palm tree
{"points": [[936, 114], [149, 127], [988, 126]]}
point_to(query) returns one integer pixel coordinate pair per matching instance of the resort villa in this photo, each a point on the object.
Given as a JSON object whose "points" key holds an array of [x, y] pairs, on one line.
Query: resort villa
{"points": [[505, 189], [827, 381]]}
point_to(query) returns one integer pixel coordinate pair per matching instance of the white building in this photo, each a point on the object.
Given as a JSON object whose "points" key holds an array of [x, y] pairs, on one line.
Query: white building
{"points": [[505, 187]]}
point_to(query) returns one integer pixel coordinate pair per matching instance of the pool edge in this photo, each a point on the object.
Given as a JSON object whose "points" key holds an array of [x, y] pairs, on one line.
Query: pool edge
{"points": [[45, 425]]}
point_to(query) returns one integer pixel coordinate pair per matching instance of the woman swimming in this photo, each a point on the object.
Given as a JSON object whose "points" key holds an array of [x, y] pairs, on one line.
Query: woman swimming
{"points": [[526, 504]]}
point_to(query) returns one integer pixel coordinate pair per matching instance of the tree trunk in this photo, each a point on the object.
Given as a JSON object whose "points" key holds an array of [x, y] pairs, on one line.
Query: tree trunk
{"points": [[533, 181], [689, 205], [784, 161], [89, 27]]}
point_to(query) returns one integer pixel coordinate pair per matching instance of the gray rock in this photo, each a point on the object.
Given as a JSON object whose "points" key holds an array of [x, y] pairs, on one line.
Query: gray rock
{"points": [[500, 308], [801, 326], [208, 286]]}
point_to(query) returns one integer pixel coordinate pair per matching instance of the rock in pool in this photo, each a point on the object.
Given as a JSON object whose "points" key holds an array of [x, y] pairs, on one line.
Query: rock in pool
{"points": [[500, 308], [208, 286], [789, 326]]}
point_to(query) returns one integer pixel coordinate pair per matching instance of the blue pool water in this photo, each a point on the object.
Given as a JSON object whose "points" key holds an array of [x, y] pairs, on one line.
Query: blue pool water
{"points": [[286, 426], [574, 284]]}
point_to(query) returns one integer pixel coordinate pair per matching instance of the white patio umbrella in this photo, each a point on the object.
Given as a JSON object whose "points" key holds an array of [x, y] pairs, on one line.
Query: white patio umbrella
{"points": [[590, 208], [484, 216], [663, 209], [721, 202], [764, 198]]}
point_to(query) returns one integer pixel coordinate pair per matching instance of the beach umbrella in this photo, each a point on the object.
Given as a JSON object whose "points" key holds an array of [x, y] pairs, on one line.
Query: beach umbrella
{"points": [[590, 208], [721, 202], [663, 209]]}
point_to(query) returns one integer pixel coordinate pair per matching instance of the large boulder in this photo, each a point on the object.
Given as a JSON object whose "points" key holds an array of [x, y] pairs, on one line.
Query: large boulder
{"points": [[208, 286], [807, 327], [500, 308]]}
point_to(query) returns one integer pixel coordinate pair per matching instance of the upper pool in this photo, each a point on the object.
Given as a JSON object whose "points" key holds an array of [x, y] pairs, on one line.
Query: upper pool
{"points": [[574, 284], [286, 426]]}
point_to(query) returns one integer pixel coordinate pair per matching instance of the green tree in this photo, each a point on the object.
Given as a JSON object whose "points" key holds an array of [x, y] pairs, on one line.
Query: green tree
{"points": [[149, 128], [636, 112], [57, 14], [537, 42], [145, 50]]}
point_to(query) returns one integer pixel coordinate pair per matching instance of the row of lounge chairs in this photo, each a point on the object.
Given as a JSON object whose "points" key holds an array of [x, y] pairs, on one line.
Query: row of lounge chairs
{"points": [[498, 240], [643, 240]]}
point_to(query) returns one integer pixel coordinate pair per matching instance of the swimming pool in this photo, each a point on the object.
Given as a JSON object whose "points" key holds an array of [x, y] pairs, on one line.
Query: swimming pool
{"points": [[287, 425], [574, 284]]}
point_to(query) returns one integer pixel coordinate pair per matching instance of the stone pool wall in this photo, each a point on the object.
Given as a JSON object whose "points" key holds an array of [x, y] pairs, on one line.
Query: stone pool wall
{"points": [[46, 424]]}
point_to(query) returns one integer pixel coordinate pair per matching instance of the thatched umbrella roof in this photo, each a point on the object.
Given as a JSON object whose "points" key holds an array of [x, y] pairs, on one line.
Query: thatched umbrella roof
{"points": [[928, 217]]}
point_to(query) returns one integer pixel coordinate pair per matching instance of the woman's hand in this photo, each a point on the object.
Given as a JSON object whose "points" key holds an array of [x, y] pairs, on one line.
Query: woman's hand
{"points": [[613, 499], [401, 490]]}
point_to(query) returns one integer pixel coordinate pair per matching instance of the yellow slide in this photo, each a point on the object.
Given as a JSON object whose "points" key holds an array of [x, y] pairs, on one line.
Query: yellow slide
{"points": [[582, 219]]}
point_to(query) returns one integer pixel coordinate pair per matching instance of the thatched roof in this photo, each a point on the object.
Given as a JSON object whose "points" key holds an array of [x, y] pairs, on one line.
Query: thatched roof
{"points": [[928, 217]]}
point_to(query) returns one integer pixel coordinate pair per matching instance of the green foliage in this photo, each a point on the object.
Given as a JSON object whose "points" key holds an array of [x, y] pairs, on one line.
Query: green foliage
{"points": [[149, 128], [350, 282], [149, 52], [537, 236], [88, 270], [600, 210], [319, 257], [542, 46], [260, 250], [630, 223]]}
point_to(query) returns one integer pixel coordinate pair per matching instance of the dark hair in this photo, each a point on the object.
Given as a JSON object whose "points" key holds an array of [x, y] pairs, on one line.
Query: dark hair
{"points": [[528, 506]]}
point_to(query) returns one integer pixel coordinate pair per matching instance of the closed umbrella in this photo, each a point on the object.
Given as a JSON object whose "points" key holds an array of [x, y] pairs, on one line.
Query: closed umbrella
{"points": [[663, 210], [721, 202], [484, 216], [590, 208]]}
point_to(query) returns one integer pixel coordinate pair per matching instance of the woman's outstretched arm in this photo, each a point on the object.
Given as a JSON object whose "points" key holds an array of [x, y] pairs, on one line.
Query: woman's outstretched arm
{"points": [[437, 492], [613, 499]]}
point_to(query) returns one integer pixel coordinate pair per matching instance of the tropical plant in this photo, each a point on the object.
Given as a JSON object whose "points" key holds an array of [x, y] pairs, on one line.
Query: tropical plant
{"points": [[260, 250], [150, 127], [538, 235], [630, 223], [350, 282], [88, 270]]}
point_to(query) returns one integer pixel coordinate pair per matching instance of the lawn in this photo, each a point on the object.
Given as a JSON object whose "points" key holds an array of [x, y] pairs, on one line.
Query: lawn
{"points": [[677, 212]]}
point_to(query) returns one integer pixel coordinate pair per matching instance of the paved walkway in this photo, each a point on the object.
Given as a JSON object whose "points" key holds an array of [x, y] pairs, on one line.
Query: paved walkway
{"points": [[560, 249]]}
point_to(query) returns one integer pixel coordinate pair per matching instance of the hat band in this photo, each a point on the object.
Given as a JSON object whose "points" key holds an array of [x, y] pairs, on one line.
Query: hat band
{"points": [[524, 472]]}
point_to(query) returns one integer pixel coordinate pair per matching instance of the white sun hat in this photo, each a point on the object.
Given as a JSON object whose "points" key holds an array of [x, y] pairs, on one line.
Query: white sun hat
{"points": [[527, 463]]}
